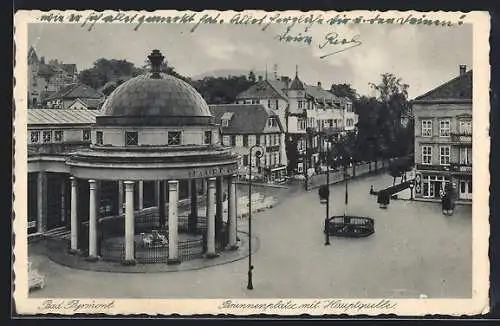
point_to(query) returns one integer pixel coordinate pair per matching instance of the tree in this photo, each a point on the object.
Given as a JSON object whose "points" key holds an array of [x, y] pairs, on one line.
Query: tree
{"points": [[344, 90], [105, 71], [221, 90]]}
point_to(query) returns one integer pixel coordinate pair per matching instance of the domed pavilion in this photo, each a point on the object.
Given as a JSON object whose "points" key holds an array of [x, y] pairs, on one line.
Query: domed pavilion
{"points": [[155, 133]]}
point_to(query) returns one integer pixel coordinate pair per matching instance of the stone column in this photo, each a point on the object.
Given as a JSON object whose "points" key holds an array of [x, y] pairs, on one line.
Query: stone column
{"points": [[211, 218], [74, 215], [129, 224], [173, 198], [41, 222], [63, 201], [141, 195], [92, 222], [193, 217], [231, 209], [120, 197], [219, 208]]}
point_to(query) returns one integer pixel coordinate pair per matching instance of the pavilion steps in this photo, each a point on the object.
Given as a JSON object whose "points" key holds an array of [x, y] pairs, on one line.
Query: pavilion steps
{"points": [[60, 233]]}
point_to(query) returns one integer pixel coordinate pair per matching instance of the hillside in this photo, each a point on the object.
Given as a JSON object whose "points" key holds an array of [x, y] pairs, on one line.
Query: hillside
{"points": [[227, 72]]}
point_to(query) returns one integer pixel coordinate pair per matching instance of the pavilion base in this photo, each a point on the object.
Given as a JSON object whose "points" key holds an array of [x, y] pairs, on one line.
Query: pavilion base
{"points": [[212, 255], [92, 259], [175, 261], [232, 247], [74, 252], [129, 262]]}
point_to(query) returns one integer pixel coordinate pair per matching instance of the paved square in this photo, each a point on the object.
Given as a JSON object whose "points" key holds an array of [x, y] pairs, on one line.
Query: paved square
{"points": [[415, 250]]}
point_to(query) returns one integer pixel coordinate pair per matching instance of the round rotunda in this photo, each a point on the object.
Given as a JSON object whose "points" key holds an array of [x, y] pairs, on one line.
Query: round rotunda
{"points": [[154, 138]]}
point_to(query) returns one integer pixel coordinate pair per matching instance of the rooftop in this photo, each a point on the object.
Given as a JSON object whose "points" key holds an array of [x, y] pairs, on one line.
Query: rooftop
{"points": [[76, 90], [246, 118], [61, 117], [457, 89]]}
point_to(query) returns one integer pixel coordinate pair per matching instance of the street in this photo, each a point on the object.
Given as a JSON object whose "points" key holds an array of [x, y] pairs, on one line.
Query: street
{"points": [[415, 250]]}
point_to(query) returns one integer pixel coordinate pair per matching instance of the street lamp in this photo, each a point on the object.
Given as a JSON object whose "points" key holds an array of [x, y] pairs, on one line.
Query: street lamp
{"points": [[328, 163], [258, 154], [411, 189]]}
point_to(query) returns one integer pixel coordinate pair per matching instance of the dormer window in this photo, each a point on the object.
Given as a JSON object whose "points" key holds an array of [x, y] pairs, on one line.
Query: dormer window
{"points": [[207, 139], [226, 117], [131, 138], [271, 122], [174, 138]]}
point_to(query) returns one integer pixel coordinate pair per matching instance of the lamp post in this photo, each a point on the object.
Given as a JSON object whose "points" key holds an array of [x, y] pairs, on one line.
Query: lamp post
{"points": [[258, 154], [411, 190], [327, 229]]}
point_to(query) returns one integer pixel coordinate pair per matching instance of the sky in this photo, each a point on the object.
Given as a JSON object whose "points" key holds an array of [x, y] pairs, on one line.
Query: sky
{"points": [[422, 56]]}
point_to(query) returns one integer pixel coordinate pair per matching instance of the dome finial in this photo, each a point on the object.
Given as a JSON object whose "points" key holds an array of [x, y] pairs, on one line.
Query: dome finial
{"points": [[156, 60]]}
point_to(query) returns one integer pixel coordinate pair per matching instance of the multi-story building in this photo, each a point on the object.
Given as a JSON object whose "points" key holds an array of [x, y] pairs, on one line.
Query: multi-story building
{"points": [[46, 79], [303, 109], [443, 138], [245, 125]]}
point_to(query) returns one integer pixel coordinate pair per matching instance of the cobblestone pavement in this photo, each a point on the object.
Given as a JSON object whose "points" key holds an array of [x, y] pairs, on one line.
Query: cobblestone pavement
{"points": [[415, 250]]}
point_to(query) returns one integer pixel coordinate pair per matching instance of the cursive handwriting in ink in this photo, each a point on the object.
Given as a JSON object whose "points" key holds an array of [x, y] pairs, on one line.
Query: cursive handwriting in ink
{"points": [[297, 38], [333, 38]]}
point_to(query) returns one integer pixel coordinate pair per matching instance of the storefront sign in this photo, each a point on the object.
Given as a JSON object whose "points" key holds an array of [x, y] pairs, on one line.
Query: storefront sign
{"points": [[212, 172]]}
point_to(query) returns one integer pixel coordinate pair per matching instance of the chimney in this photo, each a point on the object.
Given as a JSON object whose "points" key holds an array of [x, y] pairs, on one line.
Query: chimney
{"points": [[285, 80], [319, 84], [260, 78], [463, 69]]}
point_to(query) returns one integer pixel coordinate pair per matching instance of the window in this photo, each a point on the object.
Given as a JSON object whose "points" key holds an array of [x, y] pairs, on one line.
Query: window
{"points": [[233, 140], [271, 122], [86, 135], [58, 135], [245, 140], [174, 138], [226, 140], [131, 138], [349, 122], [225, 123], [269, 103], [207, 138], [257, 140], [444, 128], [426, 128], [426, 154], [245, 160], [47, 135], [98, 136], [301, 124], [268, 140], [466, 127], [444, 155], [35, 136], [466, 155], [277, 104]]}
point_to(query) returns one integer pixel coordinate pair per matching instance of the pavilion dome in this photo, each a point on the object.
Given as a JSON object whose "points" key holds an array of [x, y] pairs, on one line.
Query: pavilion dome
{"points": [[155, 94]]}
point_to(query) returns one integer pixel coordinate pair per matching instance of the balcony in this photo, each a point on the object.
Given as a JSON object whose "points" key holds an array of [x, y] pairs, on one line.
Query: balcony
{"points": [[462, 137], [456, 167]]}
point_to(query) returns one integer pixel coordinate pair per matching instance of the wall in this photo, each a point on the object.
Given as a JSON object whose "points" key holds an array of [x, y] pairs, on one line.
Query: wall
{"points": [[71, 133], [191, 135]]}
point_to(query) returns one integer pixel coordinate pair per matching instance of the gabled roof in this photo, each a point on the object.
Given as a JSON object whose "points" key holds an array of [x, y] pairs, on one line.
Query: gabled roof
{"points": [[89, 103], [61, 117], [263, 89], [32, 57], [459, 89], [76, 90], [45, 70], [246, 119], [320, 93]]}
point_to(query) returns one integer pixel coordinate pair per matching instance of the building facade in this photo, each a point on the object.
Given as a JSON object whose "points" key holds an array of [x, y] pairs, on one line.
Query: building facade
{"points": [[443, 138], [47, 78], [245, 125], [303, 109]]}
